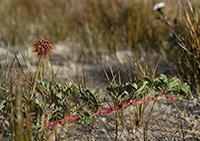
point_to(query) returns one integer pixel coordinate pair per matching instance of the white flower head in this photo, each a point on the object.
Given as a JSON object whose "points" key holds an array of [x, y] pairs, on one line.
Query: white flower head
{"points": [[159, 6]]}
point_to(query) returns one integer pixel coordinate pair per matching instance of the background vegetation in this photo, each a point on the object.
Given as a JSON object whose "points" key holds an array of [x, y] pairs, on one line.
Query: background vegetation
{"points": [[100, 26], [111, 25]]}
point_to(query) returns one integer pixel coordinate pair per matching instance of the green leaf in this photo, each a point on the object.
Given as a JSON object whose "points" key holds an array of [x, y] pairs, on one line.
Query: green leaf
{"points": [[2, 105], [146, 78], [142, 88], [163, 78], [59, 95]]}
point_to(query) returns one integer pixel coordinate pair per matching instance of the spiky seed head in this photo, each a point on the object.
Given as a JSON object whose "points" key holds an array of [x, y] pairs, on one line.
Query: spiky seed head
{"points": [[43, 47]]}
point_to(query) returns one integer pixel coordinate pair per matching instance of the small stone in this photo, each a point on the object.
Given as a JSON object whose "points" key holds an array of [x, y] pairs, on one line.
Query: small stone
{"points": [[104, 119], [195, 101]]}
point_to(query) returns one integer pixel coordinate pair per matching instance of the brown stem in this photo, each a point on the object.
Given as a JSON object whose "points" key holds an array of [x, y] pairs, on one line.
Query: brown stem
{"points": [[36, 78]]}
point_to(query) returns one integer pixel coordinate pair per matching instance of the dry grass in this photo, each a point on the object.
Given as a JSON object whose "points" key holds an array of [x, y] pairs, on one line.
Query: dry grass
{"points": [[109, 24]]}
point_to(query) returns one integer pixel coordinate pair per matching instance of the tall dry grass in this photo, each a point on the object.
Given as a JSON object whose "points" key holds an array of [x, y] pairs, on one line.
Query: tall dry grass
{"points": [[111, 25]]}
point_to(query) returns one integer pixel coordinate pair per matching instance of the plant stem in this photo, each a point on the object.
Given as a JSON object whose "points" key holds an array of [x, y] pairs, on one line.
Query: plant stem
{"points": [[109, 110], [36, 78]]}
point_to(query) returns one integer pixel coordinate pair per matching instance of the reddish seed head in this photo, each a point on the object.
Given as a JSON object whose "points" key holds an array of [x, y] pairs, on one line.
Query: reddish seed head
{"points": [[43, 47]]}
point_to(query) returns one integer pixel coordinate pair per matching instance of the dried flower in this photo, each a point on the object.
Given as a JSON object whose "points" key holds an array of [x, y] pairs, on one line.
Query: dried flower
{"points": [[159, 6], [43, 47]]}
